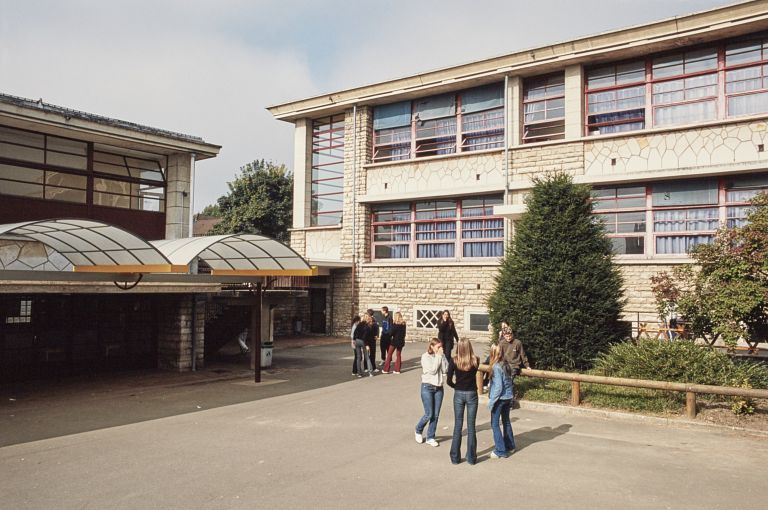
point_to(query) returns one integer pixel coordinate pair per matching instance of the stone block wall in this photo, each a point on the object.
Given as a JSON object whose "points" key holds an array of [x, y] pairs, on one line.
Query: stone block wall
{"points": [[447, 287], [528, 162], [637, 290], [174, 343]]}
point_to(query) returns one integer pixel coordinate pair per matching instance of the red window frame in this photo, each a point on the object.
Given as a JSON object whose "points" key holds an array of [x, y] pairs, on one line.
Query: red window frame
{"points": [[459, 137], [330, 143], [732, 68], [592, 127], [540, 130], [381, 216]]}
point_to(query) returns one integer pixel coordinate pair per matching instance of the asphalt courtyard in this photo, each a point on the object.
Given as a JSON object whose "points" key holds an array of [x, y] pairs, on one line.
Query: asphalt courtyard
{"points": [[312, 436]]}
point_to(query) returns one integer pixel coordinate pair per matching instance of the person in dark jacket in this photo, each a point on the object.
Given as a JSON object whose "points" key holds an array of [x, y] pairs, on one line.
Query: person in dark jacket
{"points": [[386, 332], [359, 335], [462, 373], [371, 331], [446, 333], [397, 344], [355, 323], [512, 351]]}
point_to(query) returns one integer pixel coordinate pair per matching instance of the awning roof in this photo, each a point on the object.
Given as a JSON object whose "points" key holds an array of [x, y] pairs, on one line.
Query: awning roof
{"points": [[96, 247], [237, 254], [91, 245]]}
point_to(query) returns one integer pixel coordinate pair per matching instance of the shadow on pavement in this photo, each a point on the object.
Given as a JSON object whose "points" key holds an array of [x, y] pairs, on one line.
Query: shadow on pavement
{"points": [[36, 410]]}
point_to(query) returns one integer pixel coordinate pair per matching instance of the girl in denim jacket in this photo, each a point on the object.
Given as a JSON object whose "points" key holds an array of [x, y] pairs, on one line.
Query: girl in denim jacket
{"points": [[500, 403]]}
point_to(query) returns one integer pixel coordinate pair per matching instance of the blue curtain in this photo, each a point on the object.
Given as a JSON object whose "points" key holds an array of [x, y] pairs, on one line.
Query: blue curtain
{"points": [[434, 251], [392, 115], [482, 98], [484, 249], [436, 107]]}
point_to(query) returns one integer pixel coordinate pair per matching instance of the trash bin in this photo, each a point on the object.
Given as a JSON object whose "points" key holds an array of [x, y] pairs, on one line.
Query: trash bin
{"points": [[266, 355]]}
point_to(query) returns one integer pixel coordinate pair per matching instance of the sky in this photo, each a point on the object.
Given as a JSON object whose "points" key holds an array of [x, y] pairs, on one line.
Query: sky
{"points": [[210, 68]]}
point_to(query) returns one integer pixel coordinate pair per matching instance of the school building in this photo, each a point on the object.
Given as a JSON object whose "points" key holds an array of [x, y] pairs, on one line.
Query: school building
{"points": [[98, 268], [407, 191]]}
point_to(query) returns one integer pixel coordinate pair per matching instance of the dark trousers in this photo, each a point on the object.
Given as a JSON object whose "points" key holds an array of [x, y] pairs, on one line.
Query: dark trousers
{"points": [[384, 342], [371, 345]]}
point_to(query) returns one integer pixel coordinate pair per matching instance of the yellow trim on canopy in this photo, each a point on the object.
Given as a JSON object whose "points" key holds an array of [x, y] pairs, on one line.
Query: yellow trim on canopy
{"points": [[137, 268], [313, 271]]}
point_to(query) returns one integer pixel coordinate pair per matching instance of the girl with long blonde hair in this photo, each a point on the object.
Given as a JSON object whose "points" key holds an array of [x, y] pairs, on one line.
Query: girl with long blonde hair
{"points": [[500, 403], [396, 343], [462, 372]]}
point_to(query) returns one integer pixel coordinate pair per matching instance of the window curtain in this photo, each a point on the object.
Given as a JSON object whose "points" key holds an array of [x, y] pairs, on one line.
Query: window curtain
{"points": [[484, 249], [748, 104], [392, 115], [482, 98], [436, 231], [435, 107], [667, 245], [435, 251]]}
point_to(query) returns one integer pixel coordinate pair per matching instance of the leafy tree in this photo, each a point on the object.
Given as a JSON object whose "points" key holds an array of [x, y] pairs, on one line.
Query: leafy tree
{"points": [[212, 210], [724, 293], [558, 287], [259, 202]]}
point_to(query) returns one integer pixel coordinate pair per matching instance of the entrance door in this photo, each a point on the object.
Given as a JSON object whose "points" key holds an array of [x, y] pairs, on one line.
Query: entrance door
{"points": [[317, 310]]}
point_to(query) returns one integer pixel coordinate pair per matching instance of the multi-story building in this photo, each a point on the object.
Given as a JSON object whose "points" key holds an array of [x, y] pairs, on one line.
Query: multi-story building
{"points": [[406, 191]]}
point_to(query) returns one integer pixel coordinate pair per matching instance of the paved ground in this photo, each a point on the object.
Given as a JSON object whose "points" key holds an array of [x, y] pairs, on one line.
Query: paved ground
{"points": [[323, 440]]}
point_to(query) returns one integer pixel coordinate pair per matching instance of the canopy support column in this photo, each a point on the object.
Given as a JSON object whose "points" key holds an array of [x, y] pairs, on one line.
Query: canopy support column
{"points": [[255, 339]]}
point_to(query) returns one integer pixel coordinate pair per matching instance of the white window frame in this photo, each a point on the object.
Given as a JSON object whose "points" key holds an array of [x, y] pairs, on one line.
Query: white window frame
{"points": [[468, 312], [417, 308]]}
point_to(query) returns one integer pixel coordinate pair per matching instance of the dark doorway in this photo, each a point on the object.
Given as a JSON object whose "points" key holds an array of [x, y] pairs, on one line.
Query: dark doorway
{"points": [[317, 310]]}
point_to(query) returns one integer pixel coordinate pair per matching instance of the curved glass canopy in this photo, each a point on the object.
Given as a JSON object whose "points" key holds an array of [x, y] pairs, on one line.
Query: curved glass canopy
{"points": [[237, 254], [93, 246]]}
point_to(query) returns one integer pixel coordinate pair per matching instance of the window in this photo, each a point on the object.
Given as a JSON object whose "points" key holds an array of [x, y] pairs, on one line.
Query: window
{"points": [[327, 170], [24, 314], [444, 124], [392, 231], [685, 87], [34, 165], [738, 192], [476, 321], [544, 108], [426, 318], [442, 229], [746, 78], [616, 98], [679, 220], [481, 232], [625, 229]]}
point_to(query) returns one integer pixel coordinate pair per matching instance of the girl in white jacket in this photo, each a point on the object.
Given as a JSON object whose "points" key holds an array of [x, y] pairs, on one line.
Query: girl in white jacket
{"points": [[434, 366]]}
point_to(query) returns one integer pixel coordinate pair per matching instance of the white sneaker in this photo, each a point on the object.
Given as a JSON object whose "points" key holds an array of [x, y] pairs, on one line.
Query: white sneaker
{"points": [[419, 438], [432, 442], [395, 372]]}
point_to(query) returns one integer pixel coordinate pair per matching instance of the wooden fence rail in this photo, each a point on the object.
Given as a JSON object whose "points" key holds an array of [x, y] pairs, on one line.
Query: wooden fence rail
{"points": [[690, 390]]}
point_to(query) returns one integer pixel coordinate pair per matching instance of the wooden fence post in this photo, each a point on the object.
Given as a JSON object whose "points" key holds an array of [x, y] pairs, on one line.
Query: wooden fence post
{"points": [[690, 404], [575, 393]]}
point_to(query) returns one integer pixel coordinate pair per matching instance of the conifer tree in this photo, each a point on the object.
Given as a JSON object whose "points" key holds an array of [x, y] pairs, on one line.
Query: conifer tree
{"points": [[558, 287]]}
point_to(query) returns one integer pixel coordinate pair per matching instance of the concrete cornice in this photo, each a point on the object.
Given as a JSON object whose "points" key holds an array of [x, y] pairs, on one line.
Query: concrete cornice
{"points": [[61, 124], [701, 27]]}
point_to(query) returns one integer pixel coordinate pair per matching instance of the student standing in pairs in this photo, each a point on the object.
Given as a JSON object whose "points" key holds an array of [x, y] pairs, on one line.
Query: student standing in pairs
{"points": [[355, 323], [499, 403], [433, 369], [446, 332], [397, 344], [370, 341], [386, 332], [362, 331], [463, 368]]}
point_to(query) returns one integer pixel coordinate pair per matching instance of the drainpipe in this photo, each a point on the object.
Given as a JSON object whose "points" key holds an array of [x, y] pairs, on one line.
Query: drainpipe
{"points": [[354, 207], [506, 138], [193, 157]]}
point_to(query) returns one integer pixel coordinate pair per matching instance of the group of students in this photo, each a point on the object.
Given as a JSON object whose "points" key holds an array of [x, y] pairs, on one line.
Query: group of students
{"points": [[391, 336], [460, 372]]}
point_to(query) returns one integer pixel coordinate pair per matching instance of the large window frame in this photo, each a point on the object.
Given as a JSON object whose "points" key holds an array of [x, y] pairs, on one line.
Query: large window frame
{"points": [[724, 80], [437, 230], [465, 121], [38, 166], [695, 209], [327, 180], [544, 108]]}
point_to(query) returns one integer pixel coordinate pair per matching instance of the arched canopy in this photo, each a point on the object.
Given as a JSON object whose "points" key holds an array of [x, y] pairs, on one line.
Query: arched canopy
{"points": [[92, 246], [237, 254]]}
